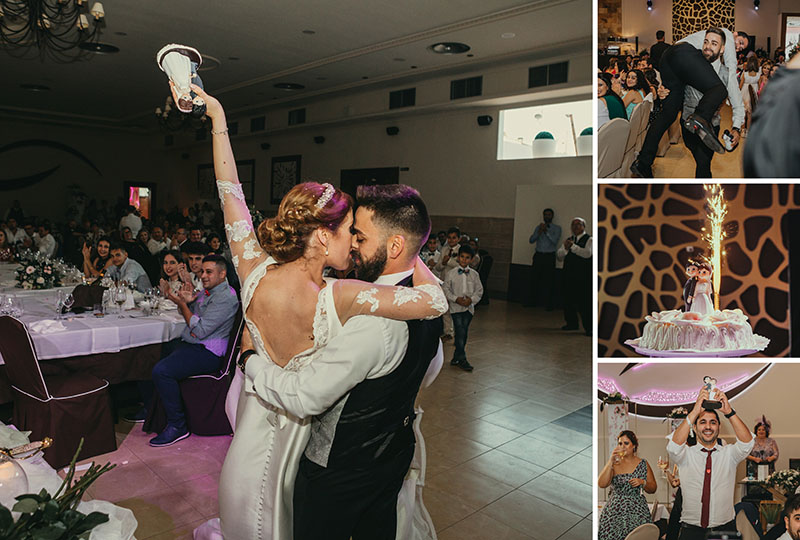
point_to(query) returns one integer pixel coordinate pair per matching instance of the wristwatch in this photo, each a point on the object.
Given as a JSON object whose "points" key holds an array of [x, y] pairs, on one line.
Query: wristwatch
{"points": [[243, 358], [730, 413]]}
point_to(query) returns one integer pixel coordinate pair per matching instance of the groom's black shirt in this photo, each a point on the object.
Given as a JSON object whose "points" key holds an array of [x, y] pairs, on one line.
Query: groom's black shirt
{"points": [[373, 422]]}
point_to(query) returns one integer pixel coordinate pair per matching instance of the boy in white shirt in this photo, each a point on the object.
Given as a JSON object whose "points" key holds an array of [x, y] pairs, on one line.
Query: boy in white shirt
{"points": [[463, 290], [430, 254]]}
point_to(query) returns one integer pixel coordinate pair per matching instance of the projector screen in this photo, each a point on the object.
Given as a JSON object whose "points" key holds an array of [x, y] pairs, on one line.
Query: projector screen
{"points": [[566, 201]]}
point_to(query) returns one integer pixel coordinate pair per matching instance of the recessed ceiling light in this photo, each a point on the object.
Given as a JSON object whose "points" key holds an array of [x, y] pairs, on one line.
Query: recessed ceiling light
{"points": [[233, 58], [309, 32], [365, 77], [35, 87], [508, 35], [470, 55], [399, 59], [449, 47], [289, 86], [413, 67], [100, 48]]}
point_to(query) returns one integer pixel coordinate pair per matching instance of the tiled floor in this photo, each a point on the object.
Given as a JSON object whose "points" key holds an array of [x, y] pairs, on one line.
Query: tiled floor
{"points": [[509, 453], [678, 161]]}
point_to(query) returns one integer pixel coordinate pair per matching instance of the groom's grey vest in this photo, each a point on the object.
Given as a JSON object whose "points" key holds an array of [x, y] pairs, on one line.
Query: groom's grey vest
{"points": [[374, 421]]}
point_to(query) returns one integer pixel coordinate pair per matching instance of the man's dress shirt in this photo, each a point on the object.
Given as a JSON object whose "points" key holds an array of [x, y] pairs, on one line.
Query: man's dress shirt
{"points": [[547, 242], [691, 462], [212, 318]]}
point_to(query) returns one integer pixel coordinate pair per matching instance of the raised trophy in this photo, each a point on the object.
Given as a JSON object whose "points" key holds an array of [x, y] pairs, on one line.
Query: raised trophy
{"points": [[711, 403], [180, 63]]}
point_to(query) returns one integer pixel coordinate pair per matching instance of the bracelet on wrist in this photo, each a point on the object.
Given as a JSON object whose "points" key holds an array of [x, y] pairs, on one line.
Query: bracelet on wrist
{"points": [[221, 132], [243, 358]]}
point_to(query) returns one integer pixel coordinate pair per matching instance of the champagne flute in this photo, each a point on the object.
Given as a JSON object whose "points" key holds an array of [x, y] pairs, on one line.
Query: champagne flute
{"points": [[663, 465], [59, 303], [120, 295]]}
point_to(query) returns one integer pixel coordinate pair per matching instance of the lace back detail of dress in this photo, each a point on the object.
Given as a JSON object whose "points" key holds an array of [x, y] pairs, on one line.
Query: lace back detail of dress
{"points": [[321, 332]]}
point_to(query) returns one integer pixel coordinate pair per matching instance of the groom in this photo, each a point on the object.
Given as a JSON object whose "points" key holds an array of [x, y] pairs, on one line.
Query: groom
{"points": [[363, 387]]}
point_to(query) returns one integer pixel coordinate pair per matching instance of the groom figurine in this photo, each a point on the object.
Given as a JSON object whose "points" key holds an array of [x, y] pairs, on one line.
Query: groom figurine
{"points": [[361, 391]]}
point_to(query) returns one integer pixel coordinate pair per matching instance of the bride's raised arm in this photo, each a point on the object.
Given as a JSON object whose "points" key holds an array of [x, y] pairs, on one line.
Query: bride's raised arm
{"points": [[245, 250], [425, 300]]}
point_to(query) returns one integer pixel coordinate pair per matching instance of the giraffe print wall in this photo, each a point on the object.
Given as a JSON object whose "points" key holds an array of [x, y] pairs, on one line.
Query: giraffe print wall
{"points": [[689, 16]]}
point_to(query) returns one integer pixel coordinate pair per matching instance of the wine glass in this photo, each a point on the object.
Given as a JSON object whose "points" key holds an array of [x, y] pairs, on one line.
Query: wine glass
{"points": [[663, 464], [69, 300], [120, 296], [15, 307], [59, 303]]}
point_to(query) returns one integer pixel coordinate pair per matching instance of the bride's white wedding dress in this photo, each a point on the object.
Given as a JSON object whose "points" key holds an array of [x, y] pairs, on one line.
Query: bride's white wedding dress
{"points": [[257, 479]]}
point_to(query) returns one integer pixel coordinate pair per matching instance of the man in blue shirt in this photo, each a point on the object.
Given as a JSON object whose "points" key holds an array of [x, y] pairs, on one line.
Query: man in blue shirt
{"points": [[126, 269], [209, 319], [546, 237]]}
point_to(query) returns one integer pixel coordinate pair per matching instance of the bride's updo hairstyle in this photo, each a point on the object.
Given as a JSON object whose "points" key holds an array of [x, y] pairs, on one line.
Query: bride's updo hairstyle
{"points": [[301, 212]]}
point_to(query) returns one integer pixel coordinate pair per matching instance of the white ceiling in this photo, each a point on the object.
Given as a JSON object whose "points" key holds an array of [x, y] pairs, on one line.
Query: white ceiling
{"points": [[353, 39]]}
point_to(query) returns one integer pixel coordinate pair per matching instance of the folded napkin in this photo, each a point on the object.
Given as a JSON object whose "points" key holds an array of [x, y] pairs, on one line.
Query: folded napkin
{"points": [[129, 303], [46, 327]]}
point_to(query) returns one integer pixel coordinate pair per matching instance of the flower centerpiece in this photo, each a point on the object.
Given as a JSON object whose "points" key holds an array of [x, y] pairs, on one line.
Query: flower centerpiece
{"points": [[39, 272], [613, 399], [786, 480]]}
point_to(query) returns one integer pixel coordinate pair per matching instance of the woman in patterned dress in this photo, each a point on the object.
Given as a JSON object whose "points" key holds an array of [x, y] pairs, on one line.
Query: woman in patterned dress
{"points": [[627, 474]]}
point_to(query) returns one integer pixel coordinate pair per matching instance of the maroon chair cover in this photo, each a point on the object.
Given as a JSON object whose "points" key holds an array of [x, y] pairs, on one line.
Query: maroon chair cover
{"points": [[64, 408], [203, 395]]}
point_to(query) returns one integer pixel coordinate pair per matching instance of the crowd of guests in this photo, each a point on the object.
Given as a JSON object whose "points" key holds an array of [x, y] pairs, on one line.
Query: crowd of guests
{"points": [[699, 458], [694, 90], [122, 244]]}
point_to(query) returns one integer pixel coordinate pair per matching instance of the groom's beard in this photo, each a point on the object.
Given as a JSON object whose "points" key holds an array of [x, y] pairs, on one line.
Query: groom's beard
{"points": [[370, 269]]}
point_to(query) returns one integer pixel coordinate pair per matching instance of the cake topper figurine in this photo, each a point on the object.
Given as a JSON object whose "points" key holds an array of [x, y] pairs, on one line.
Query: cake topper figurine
{"points": [[700, 299], [689, 286], [710, 384], [180, 63]]}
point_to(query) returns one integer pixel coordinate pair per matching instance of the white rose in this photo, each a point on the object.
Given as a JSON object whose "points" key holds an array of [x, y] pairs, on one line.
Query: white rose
{"points": [[40, 280]]}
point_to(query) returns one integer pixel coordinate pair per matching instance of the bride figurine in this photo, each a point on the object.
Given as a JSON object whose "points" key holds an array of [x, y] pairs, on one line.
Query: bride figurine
{"points": [[701, 301]]}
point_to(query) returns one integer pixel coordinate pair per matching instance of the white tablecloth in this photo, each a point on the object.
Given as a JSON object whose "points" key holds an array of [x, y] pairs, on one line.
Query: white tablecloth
{"points": [[121, 524], [86, 334]]}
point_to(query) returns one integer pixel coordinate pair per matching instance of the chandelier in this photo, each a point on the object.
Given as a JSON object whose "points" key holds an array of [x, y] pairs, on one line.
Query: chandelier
{"points": [[171, 119], [62, 30]]}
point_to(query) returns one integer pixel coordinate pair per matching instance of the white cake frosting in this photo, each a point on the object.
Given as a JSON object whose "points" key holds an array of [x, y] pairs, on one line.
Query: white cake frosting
{"points": [[674, 330]]}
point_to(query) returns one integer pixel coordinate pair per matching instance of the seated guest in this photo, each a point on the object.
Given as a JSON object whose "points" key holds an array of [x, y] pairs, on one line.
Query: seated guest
{"points": [[14, 234], [171, 263], [178, 238], [193, 254], [126, 235], [708, 464], [126, 269], [209, 318], [45, 242], [6, 249], [610, 105], [96, 262], [633, 91], [196, 234], [156, 244], [626, 473], [214, 243]]}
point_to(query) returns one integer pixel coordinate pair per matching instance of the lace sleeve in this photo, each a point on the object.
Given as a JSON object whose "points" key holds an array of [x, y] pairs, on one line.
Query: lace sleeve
{"points": [[245, 249], [400, 303]]}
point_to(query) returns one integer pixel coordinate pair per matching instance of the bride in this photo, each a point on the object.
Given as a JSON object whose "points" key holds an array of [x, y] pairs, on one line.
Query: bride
{"points": [[291, 312]]}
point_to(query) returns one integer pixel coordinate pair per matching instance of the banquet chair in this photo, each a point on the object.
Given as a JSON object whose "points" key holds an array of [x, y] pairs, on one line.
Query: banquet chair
{"points": [[745, 528], [647, 104], [65, 408], [654, 512], [648, 531], [203, 395], [611, 139], [640, 112]]}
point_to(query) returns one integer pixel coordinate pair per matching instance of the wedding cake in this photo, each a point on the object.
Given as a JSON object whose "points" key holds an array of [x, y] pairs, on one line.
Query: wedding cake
{"points": [[713, 332]]}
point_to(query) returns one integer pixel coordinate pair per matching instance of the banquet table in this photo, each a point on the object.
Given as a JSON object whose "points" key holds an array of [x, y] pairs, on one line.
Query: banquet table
{"points": [[110, 347]]}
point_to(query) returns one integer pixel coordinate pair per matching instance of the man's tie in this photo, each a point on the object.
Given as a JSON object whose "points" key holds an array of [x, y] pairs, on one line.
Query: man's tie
{"points": [[463, 270], [705, 500], [207, 293]]}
